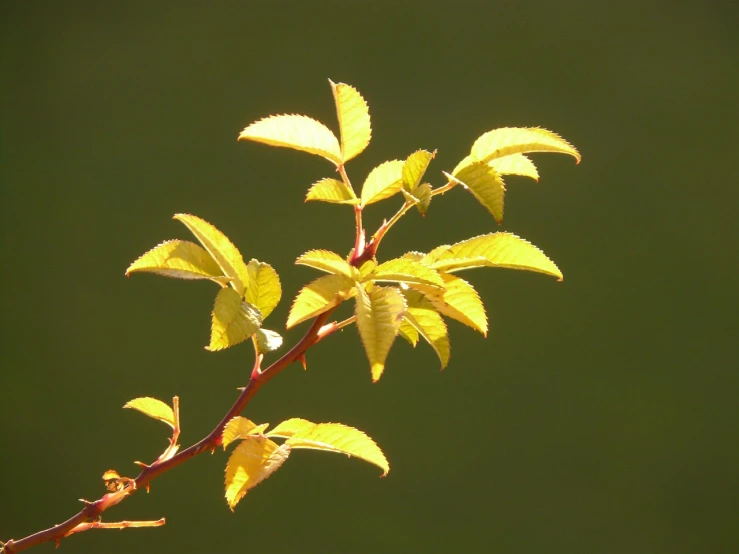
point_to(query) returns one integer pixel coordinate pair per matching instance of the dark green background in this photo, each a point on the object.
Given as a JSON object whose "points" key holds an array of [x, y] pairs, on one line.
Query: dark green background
{"points": [[599, 416]]}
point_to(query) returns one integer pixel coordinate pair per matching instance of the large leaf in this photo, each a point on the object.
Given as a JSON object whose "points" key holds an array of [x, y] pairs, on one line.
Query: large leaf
{"points": [[181, 259], [153, 408], [226, 255], [315, 298], [335, 437], [263, 289], [333, 191], [408, 271], [485, 184], [330, 262], [414, 168], [492, 250], [422, 315], [382, 182], [289, 427], [251, 462], [354, 120], [460, 301], [517, 140], [234, 320], [515, 164], [379, 313], [299, 132]]}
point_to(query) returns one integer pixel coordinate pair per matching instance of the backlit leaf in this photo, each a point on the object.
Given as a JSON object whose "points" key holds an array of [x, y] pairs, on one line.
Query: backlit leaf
{"points": [[289, 427], [181, 259], [251, 462], [422, 315], [299, 132], [514, 140], [414, 168], [315, 298], [354, 120], [153, 408], [226, 255], [485, 184], [268, 341], [379, 313], [515, 164], [460, 301], [330, 262], [335, 437], [406, 271], [237, 428], [408, 332], [233, 320], [382, 182], [263, 289], [332, 190]]}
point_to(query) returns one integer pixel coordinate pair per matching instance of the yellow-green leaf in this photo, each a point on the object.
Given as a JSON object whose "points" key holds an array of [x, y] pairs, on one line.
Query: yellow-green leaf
{"points": [[413, 255], [237, 428], [408, 332], [354, 120], [493, 250], [459, 300], [382, 182], [335, 437], [289, 427], [251, 462], [234, 320], [332, 190], [180, 259], [267, 341], [519, 140], [153, 408], [263, 289], [485, 184], [404, 270], [515, 164], [379, 313], [320, 295], [414, 168], [327, 261], [422, 315], [366, 268], [299, 132], [226, 255]]}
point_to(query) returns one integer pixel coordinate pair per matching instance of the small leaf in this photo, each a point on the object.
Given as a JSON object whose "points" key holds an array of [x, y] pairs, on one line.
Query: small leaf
{"points": [[329, 262], [379, 313], [485, 184], [332, 190], [415, 256], [180, 259], [251, 462], [426, 320], [226, 255], [315, 298], [299, 132], [263, 290], [515, 140], [366, 268], [268, 341], [382, 182], [459, 300], [492, 250], [234, 320], [414, 168], [289, 427], [237, 428], [354, 120], [406, 271], [153, 408], [515, 164], [422, 196], [408, 332], [335, 437]]}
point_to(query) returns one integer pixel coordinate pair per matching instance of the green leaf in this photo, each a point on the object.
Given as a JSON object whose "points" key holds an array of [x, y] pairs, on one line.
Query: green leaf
{"points": [[354, 120], [263, 290], [404, 270], [408, 332], [299, 132], [485, 184], [415, 167], [267, 341], [517, 140], [379, 313], [459, 300], [332, 190], [153, 408], [251, 462], [422, 315], [289, 427], [382, 182], [226, 255], [420, 197], [234, 320], [335, 437], [515, 164], [492, 250], [180, 259], [329, 262], [315, 298]]}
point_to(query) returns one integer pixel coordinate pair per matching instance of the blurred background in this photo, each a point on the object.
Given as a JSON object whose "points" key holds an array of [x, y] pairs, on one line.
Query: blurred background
{"points": [[600, 414]]}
